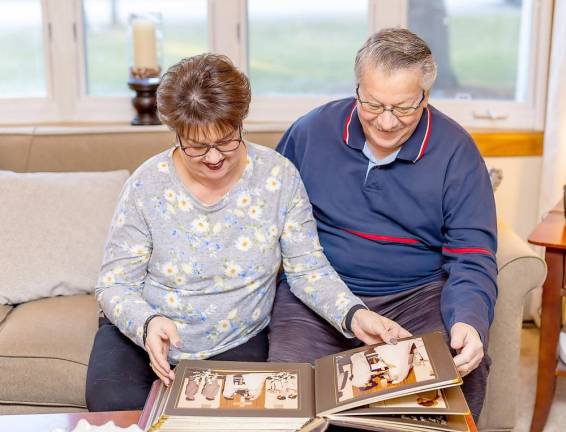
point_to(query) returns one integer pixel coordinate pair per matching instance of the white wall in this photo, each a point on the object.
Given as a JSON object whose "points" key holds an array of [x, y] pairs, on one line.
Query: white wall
{"points": [[517, 198]]}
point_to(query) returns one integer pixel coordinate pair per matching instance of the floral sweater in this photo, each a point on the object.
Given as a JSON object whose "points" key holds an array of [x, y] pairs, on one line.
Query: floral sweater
{"points": [[212, 269]]}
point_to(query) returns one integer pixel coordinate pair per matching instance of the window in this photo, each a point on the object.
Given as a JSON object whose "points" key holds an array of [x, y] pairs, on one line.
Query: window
{"points": [[67, 60], [299, 47], [108, 54], [480, 47], [22, 74]]}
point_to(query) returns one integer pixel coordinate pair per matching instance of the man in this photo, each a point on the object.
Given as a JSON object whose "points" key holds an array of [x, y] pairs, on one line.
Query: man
{"points": [[405, 213]]}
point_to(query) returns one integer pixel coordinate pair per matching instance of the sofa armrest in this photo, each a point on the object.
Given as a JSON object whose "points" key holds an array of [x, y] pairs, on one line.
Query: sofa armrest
{"points": [[520, 271]]}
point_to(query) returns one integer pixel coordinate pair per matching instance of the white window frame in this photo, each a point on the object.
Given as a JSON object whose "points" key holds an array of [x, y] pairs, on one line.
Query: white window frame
{"points": [[68, 102]]}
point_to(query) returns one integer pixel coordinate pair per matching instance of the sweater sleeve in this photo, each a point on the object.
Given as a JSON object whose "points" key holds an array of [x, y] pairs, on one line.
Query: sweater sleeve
{"points": [[309, 274], [470, 243], [124, 267]]}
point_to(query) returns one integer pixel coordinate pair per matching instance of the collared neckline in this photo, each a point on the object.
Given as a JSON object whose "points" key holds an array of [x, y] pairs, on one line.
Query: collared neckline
{"points": [[412, 150]]}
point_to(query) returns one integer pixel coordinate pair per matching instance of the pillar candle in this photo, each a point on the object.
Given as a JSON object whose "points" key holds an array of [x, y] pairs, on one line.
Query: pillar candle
{"points": [[144, 42]]}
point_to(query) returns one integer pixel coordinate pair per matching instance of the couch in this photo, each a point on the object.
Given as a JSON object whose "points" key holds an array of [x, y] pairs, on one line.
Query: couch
{"points": [[45, 343]]}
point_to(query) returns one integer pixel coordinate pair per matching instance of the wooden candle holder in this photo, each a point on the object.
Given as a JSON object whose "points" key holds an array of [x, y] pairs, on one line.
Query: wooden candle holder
{"points": [[145, 100]]}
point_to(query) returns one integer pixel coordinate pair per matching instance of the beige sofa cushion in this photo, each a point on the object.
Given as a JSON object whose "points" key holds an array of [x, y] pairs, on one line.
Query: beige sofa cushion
{"points": [[4, 311], [53, 230], [44, 350]]}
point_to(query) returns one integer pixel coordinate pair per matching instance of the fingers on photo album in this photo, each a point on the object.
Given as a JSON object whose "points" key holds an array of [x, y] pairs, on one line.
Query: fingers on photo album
{"points": [[410, 386]]}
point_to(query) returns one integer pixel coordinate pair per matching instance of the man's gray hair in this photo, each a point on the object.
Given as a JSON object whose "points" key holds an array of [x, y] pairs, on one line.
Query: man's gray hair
{"points": [[393, 49]]}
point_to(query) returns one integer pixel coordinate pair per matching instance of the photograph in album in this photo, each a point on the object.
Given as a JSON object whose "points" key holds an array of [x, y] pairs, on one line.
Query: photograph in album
{"points": [[232, 389], [382, 367]]}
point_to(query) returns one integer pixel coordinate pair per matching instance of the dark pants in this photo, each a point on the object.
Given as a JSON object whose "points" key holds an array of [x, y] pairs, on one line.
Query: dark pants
{"points": [[297, 334], [119, 376]]}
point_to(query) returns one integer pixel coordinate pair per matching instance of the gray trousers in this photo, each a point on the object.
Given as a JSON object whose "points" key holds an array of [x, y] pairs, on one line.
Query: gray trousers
{"points": [[297, 334]]}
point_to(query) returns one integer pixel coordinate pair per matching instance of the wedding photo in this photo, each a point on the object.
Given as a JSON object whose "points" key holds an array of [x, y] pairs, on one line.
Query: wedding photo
{"points": [[383, 367], [214, 389]]}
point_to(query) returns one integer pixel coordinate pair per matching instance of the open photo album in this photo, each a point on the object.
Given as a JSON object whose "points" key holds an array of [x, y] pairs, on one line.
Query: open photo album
{"points": [[410, 386]]}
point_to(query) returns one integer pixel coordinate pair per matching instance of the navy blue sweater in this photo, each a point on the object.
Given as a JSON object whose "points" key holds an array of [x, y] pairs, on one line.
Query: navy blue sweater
{"points": [[428, 215]]}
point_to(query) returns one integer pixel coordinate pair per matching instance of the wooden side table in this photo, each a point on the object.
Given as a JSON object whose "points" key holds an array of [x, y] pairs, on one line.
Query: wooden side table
{"points": [[550, 233]]}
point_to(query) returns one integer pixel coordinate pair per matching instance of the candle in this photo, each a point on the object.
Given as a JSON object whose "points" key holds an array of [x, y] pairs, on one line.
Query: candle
{"points": [[145, 46]]}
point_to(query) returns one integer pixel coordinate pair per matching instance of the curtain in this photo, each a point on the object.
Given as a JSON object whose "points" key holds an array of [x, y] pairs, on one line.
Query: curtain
{"points": [[554, 157]]}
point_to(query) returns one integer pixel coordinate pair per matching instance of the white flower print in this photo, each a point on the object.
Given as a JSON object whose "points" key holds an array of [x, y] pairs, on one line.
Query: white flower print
{"points": [[273, 231], [139, 332], [256, 314], [249, 163], [291, 226], [169, 195], [239, 213], [139, 250], [272, 184], [298, 202], [169, 269], [117, 310], [223, 326], [233, 314], [108, 278], [163, 167], [120, 219], [275, 170], [180, 280], [243, 243], [255, 212], [252, 286], [118, 270], [259, 236], [184, 203], [313, 277], [342, 301], [172, 300], [218, 282], [232, 269], [309, 289], [243, 200], [170, 208], [217, 228], [188, 268], [200, 225]]}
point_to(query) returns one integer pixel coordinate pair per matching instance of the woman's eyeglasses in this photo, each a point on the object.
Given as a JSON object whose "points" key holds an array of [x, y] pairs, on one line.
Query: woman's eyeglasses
{"points": [[200, 149]]}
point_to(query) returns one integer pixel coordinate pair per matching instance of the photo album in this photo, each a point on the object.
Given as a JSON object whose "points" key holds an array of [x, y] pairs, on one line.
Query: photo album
{"points": [[410, 386]]}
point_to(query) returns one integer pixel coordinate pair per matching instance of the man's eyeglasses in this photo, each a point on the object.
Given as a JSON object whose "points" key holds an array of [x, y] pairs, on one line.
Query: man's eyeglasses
{"points": [[397, 111], [197, 149]]}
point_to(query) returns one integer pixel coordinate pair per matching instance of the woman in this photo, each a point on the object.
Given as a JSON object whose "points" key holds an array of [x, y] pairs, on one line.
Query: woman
{"points": [[196, 242]]}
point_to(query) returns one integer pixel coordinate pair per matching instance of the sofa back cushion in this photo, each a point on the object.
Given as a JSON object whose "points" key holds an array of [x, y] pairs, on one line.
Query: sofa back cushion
{"points": [[52, 231]]}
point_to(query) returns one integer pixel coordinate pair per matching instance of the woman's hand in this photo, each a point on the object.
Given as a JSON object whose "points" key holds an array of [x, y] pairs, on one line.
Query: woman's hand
{"points": [[161, 334], [372, 328]]}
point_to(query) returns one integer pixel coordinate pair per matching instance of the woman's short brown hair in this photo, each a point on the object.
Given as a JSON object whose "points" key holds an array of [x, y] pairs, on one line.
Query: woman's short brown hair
{"points": [[203, 93]]}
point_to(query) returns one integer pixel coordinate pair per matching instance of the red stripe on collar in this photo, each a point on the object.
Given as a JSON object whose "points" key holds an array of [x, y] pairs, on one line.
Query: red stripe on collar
{"points": [[424, 143], [346, 132]]}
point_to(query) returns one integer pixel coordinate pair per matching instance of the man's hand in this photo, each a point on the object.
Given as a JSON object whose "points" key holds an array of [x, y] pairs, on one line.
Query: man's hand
{"points": [[161, 334], [372, 328], [466, 341]]}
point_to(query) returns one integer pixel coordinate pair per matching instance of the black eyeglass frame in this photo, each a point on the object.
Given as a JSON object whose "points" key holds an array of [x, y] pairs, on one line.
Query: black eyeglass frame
{"points": [[379, 109], [209, 147]]}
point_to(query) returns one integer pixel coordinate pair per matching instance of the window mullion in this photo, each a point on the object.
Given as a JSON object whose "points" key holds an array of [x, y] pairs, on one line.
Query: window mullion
{"points": [[388, 13], [228, 32], [62, 57]]}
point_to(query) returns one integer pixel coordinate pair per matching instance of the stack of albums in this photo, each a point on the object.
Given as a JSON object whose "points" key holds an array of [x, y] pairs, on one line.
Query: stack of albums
{"points": [[410, 386]]}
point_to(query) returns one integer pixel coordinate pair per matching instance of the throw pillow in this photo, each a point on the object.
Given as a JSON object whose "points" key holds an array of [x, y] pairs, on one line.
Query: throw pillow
{"points": [[52, 231]]}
